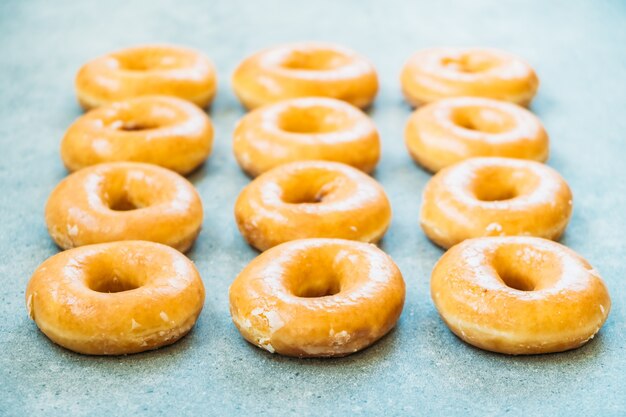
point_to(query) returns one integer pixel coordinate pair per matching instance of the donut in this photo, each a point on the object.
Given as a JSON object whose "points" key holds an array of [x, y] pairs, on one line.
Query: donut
{"points": [[124, 201], [146, 70], [303, 70], [160, 130], [453, 129], [115, 298], [317, 298], [312, 199], [309, 128], [519, 295], [436, 73], [495, 197]]}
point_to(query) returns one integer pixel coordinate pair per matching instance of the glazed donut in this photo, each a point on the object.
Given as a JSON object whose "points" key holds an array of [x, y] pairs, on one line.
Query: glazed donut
{"points": [[115, 298], [451, 130], [160, 130], [312, 199], [519, 295], [436, 73], [124, 201], [304, 70], [317, 297], [309, 128], [495, 197], [146, 70]]}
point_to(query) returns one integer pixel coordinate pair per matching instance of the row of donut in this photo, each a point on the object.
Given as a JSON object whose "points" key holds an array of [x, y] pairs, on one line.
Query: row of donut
{"points": [[175, 134], [119, 201], [324, 199], [472, 126], [303, 70], [129, 295], [178, 136], [498, 288]]}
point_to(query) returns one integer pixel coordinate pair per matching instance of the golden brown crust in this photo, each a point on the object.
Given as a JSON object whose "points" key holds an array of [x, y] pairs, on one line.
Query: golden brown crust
{"points": [[160, 130], [519, 295], [146, 70], [495, 197], [310, 199], [317, 297], [124, 201], [115, 298], [310, 128], [436, 73], [450, 130], [305, 69]]}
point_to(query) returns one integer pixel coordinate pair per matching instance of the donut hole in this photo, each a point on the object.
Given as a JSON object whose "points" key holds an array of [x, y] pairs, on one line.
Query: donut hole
{"points": [[122, 202], [526, 268], [308, 188], [318, 284], [470, 63], [315, 275], [149, 59], [133, 126], [141, 114], [482, 119], [311, 120], [111, 284], [304, 196], [496, 192], [516, 278], [103, 276], [314, 60], [497, 183], [126, 190], [324, 270]]}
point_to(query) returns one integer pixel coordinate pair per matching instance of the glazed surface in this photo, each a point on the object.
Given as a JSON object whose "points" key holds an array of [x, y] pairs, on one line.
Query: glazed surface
{"points": [[115, 298], [310, 128], [495, 197], [405, 372], [436, 73], [450, 130], [317, 297], [124, 201], [160, 130], [312, 199], [307, 69], [519, 295], [146, 70]]}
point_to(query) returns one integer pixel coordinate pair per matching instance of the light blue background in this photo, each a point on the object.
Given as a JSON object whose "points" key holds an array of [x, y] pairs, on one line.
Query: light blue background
{"points": [[579, 51]]}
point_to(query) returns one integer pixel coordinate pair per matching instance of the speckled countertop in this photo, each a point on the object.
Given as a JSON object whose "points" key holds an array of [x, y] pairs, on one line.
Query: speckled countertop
{"points": [[420, 368]]}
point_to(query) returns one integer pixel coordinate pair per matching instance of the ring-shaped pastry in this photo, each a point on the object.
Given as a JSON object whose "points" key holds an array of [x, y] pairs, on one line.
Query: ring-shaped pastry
{"points": [[115, 298], [317, 297], [306, 69], [311, 199], [124, 201], [310, 128], [451, 130], [146, 70], [519, 295], [495, 197], [160, 130], [436, 73]]}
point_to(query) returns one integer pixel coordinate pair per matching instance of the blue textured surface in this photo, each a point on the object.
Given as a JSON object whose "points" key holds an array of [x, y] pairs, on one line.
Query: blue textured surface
{"points": [[578, 49]]}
